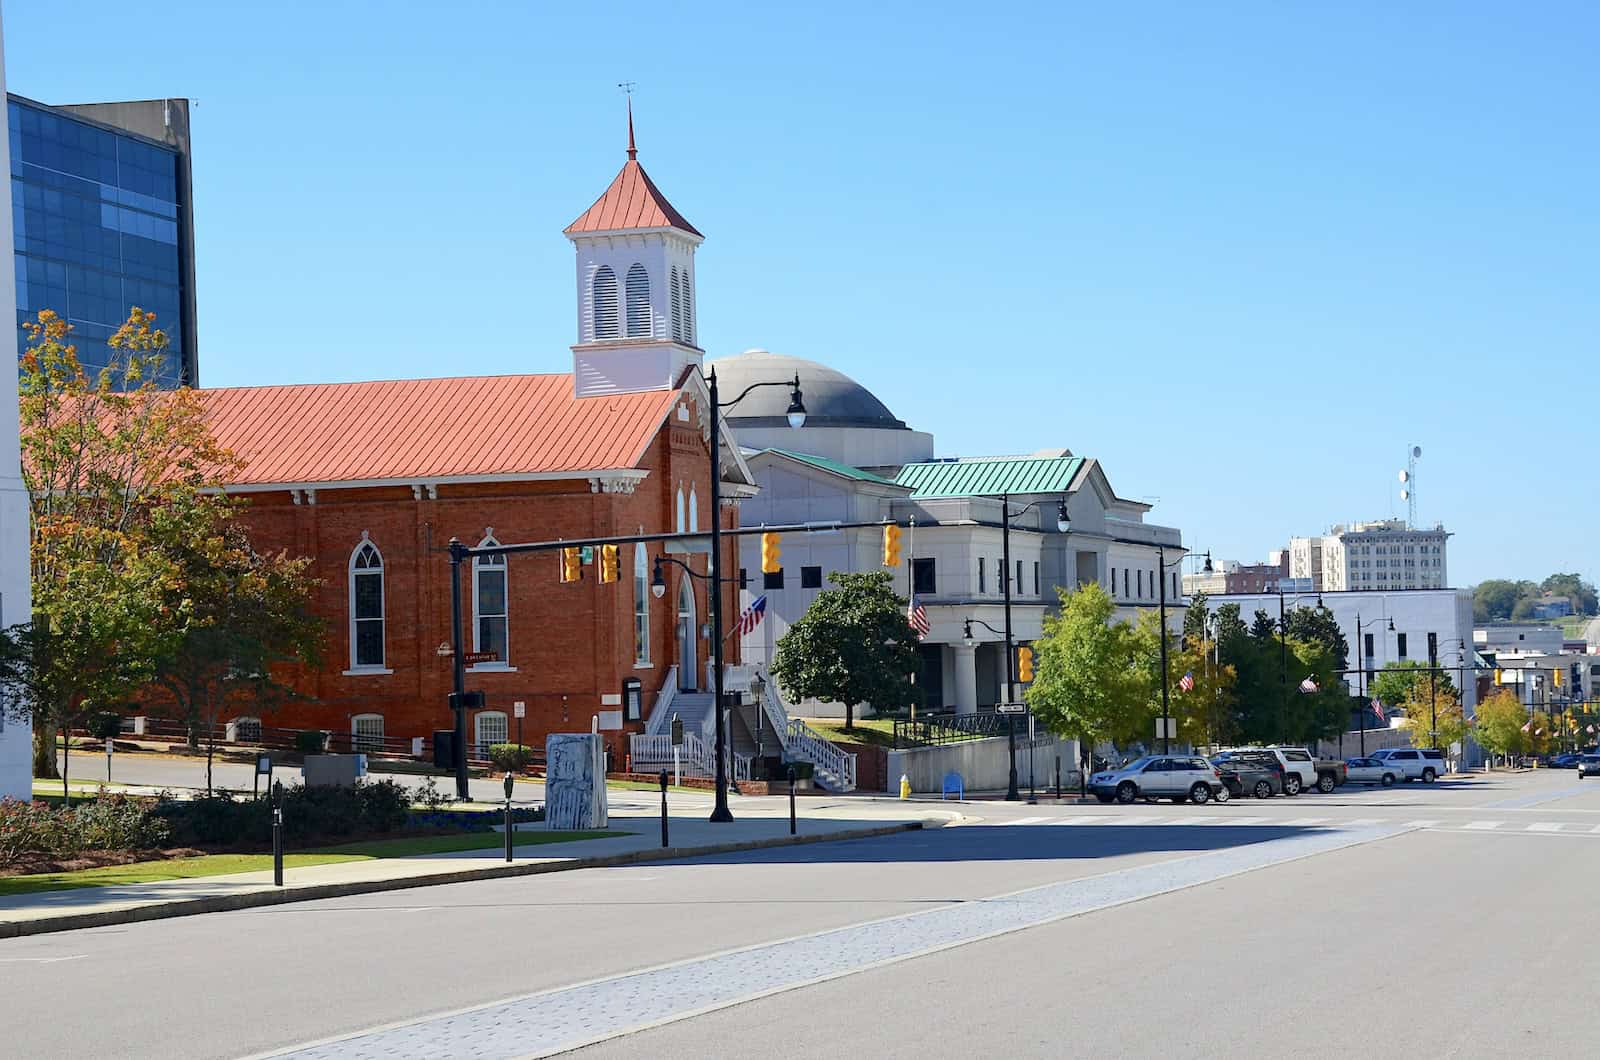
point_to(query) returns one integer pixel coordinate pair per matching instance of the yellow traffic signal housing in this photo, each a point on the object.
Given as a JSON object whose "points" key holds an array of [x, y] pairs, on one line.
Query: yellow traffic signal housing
{"points": [[1024, 664], [771, 554], [891, 546], [1555, 675], [571, 564], [608, 563]]}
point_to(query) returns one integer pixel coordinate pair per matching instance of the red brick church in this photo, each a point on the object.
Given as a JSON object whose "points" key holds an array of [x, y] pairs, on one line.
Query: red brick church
{"points": [[372, 480]]}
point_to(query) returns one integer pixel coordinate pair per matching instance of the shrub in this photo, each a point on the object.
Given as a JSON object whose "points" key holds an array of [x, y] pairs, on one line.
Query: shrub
{"points": [[310, 741], [111, 822], [104, 724], [510, 756], [308, 813]]}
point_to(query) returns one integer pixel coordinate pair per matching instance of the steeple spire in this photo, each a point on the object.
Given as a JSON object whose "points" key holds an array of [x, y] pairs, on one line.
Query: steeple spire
{"points": [[633, 152]]}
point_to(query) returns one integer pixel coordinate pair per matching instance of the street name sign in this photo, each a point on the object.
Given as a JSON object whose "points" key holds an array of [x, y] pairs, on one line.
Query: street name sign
{"points": [[1011, 708]]}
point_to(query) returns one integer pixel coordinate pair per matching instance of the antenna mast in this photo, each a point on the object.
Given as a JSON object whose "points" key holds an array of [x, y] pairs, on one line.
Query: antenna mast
{"points": [[1408, 485]]}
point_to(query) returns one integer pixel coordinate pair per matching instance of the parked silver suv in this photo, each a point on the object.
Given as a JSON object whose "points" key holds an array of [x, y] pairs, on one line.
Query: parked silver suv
{"points": [[1177, 777]]}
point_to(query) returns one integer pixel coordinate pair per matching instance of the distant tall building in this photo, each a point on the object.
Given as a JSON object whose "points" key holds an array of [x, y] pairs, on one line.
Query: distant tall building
{"points": [[1387, 554], [103, 220]]}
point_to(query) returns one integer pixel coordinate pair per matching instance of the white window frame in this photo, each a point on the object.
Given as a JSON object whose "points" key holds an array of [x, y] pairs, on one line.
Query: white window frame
{"points": [[381, 569], [694, 510], [477, 730], [366, 742], [682, 523], [641, 607], [499, 563]]}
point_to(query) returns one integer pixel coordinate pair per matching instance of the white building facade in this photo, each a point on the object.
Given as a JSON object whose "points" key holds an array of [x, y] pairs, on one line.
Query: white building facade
{"points": [[853, 461], [16, 737], [1372, 557]]}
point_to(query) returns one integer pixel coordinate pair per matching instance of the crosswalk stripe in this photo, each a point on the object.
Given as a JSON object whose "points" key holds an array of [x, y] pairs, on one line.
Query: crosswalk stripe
{"points": [[1245, 820], [1131, 820], [1421, 824], [1083, 820], [1481, 826], [1363, 822], [1301, 822], [1026, 820], [1193, 820], [1544, 826]]}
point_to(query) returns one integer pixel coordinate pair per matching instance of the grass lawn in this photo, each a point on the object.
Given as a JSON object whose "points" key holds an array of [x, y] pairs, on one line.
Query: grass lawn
{"points": [[225, 864], [879, 732]]}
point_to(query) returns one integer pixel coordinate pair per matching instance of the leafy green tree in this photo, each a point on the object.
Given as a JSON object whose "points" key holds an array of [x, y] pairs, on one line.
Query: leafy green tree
{"points": [[853, 645], [1204, 712], [1087, 684], [1495, 599], [1397, 682], [1317, 625], [1499, 723], [1573, 586], [1197, 619], [1433, 713], [102, 455], [246, 614], [1263, 626]]}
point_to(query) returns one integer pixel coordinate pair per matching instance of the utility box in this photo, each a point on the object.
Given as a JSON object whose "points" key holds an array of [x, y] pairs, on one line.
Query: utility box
{"points": [[339, 771], [444, 748]]}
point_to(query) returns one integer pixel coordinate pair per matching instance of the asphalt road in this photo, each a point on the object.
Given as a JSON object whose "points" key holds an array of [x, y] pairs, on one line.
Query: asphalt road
{"points": [[1436, 920]]}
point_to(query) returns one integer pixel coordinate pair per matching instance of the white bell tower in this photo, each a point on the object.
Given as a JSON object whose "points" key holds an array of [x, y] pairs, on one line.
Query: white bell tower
{"points": [[636, 294]]}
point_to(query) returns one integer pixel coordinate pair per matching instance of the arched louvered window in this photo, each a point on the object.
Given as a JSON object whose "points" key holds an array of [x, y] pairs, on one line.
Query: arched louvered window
{"points": [[677, 307], [638, 301], [687, 296], [605, 303], [694, 511]]}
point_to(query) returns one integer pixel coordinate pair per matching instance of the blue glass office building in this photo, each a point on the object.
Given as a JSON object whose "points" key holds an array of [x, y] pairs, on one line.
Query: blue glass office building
{"points": [[101, 209]]}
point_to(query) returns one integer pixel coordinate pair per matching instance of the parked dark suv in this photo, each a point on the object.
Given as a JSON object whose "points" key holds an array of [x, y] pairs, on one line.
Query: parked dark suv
{"points": [[1249, 772]]}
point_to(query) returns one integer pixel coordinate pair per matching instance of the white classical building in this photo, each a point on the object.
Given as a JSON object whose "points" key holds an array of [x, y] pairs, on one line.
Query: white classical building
{"points": [[1374, 557], [854, 461], [16, 738]]}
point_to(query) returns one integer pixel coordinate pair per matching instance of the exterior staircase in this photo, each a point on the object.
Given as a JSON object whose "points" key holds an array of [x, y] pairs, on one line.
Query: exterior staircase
{"points": [[763, 711]]}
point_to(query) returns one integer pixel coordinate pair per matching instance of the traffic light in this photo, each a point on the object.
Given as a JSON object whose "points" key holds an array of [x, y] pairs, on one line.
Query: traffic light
{"points": [[571, 564], [608, 563], [891, 546], [771, 561], [1024, 664], [1497, 680], [1555, 678]]}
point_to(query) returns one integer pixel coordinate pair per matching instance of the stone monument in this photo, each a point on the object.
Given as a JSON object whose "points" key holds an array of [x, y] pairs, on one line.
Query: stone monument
{"points": [[575, 782]]}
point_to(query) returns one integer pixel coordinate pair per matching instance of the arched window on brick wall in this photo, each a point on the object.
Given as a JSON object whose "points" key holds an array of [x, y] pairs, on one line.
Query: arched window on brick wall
{"points": [[366, 607]]}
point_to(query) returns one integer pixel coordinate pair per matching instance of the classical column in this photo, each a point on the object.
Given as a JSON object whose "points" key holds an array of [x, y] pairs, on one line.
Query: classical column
{"points": [[966, 678]]}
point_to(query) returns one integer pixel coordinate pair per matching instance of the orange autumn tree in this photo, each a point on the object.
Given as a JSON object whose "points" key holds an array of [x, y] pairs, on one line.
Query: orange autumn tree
{"points": [[118, 471]]}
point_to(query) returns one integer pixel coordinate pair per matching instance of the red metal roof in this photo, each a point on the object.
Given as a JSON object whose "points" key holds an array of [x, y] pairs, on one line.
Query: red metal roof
{"points": [[418, 429], [632, 201]]}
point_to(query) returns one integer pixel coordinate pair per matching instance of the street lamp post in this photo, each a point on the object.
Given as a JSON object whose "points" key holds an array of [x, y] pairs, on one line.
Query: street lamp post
{"points": [[1166, 704], [797, 417], [1011, 721], [1283, 640], [1361, 678]]}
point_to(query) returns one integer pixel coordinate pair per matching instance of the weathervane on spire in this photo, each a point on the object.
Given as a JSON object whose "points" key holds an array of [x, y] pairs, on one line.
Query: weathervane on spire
{"points": [[627, 88]]}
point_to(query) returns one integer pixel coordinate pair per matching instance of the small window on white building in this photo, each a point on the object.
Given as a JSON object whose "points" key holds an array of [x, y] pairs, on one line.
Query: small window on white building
{"points": [[366, 733]]}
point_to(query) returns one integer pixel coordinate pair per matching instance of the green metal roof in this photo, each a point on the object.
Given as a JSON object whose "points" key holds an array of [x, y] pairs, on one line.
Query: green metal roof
{"points": [[832, 465], [990, 475]]}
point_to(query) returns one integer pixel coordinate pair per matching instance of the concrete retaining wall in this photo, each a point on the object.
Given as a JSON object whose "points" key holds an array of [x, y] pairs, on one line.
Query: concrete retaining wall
{"points": [[983, 764]]}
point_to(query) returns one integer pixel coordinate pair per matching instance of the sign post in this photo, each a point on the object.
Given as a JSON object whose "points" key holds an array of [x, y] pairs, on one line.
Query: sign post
{"points": [[519, 709], [677, 744], [108, 759]]}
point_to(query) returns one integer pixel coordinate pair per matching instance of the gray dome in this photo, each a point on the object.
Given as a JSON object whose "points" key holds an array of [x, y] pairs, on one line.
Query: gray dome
{"points": [[832, 399]]}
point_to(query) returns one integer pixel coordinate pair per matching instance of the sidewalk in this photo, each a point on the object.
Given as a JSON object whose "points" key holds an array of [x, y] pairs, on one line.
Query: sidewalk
{"points": [[759, 823]]}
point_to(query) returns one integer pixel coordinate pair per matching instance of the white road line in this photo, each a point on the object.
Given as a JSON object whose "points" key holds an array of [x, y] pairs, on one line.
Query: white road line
{"points": [[1302, 822], [1421, 824], [1481, 826], [1245, 820], [1362, 822], [1193, 820], [42, 960], [1544, 826], [1133, 820], [1084, 820], [1025, 820]]}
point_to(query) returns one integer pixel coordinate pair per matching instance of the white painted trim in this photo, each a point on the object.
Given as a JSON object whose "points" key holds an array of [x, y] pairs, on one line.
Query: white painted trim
{"points": [[477, 727], [491, 668], [432, 481], [367, 671]]}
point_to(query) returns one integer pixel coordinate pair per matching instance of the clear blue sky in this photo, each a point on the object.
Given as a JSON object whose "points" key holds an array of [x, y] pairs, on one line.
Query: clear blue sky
{"points": [[1244, 255]]}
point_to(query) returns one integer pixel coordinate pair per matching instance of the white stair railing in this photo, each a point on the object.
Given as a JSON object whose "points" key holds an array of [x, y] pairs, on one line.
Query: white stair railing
{"points": [[662, 711], [655, 752], [809, 745]]}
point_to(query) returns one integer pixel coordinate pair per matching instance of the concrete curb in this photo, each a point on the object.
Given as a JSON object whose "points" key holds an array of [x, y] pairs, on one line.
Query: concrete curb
{"points": [[316, 892]]}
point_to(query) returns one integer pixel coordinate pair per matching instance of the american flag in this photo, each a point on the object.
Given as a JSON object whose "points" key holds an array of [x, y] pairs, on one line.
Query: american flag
{"points": [[917, 617], [752, 616], [1308, 685], [1186, 684], [1377, 708]]}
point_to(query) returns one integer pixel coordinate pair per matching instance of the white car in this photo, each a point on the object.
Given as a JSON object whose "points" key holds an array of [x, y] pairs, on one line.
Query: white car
{"points": [[1588, 766], [1180, 778], [1372, 771], [1425, 764]]}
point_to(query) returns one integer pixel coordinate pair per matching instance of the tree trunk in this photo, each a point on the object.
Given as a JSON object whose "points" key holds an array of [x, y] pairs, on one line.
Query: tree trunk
{"points": [[849, 716], [66, 756], [44, 753]]}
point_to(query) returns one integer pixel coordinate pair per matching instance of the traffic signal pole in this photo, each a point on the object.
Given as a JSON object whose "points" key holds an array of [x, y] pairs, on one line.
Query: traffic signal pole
{"points": [[1012, 794]]}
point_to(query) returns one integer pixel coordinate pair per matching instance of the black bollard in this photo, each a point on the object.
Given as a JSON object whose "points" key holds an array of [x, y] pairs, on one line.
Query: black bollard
{"points": [[791, 801], [1058, 778], [277, 833], [663, 807], [509, 781]]}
